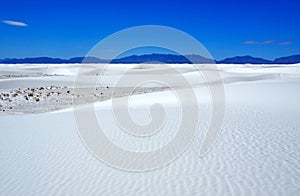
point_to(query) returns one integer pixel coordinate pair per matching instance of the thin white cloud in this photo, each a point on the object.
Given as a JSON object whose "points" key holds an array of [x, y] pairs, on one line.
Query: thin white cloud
{"points": [[15, 23], [258, 43], [285, 43], [293, 49]]}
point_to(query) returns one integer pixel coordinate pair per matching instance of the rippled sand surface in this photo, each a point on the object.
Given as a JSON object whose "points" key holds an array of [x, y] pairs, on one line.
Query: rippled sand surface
{"points": [[257, 153]]}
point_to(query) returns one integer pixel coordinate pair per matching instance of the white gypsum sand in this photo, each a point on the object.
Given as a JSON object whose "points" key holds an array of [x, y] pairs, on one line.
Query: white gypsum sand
{"points": [[257, 153]]}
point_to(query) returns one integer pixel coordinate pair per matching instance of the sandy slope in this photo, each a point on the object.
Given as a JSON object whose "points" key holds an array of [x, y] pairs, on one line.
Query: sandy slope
{"points": [[42, 88], [258, 152]]}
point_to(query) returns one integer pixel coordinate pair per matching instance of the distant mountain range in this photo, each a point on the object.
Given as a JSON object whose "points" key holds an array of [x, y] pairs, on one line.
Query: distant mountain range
{"points": [[156, 58], [288, 59], [245, 59], [163, 58]]}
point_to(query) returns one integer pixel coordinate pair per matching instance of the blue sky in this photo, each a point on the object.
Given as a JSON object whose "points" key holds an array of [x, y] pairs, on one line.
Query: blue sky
{"points": [[267, 29]]}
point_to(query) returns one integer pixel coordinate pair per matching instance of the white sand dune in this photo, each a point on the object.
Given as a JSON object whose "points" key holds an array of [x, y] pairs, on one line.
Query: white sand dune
{"points": [[65, 74], [257, 153]]}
